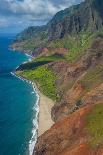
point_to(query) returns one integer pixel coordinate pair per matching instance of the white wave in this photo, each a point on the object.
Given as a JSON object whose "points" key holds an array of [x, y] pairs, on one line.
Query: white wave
{"points": [[17, 67], [35, 124], [32, 92], [34, 131], [30, 59], [28, 55]]}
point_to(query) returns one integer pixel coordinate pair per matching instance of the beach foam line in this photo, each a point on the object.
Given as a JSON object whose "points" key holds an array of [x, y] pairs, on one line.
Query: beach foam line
{"points": [[14, 49], [30, 57], [34, 131], [35, 124]]}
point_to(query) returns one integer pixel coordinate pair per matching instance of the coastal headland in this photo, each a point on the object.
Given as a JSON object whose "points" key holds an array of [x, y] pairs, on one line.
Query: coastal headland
{"points": [[68, 69]]}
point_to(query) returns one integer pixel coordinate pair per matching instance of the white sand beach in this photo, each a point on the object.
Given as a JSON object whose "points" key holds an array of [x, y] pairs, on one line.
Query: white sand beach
{"points": [[45, 121]]}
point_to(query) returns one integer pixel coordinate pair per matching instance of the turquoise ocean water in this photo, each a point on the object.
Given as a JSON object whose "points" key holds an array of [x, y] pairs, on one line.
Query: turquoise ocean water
{"points": [[17, 104]]}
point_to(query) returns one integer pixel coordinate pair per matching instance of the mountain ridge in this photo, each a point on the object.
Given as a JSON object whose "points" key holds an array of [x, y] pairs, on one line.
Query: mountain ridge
{"points": [[78, 20], [86, 16]]}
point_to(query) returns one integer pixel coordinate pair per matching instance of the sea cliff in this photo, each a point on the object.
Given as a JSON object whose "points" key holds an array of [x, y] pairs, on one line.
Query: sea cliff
{"points": [[68, 68]]}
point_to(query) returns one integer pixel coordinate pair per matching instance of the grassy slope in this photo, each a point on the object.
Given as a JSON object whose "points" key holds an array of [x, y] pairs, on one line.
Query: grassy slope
{"points": [[95, 125], [76, 45], [46, 79], [93, 77], [38, 71], [49, 58], [32, 43]]}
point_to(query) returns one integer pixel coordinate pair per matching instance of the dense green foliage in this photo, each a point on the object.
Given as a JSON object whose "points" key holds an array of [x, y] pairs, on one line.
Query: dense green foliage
{"points": [[45, 78], [95, 125], [38, 72], [39, 61]]}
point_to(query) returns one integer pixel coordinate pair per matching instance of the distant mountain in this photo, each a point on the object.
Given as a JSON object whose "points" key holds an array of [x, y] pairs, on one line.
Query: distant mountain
{"points": [[32, 32], [87, 16]]}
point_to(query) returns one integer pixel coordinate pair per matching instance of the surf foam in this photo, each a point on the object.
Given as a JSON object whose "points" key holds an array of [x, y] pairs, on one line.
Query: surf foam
{"points": [[34, 131]]}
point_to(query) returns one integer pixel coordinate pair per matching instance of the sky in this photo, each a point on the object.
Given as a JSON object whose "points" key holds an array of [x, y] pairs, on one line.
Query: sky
{"points": [[15, 15]]}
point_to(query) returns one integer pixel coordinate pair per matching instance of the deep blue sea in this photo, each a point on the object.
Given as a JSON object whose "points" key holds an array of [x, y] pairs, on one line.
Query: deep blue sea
{"points": [[17, 104]]}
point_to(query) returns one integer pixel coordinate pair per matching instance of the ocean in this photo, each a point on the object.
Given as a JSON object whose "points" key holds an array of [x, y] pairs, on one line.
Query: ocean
{"points": [[18, 104]]}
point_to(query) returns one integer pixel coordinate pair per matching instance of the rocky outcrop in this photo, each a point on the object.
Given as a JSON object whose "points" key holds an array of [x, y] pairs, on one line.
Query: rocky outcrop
{"points": [[71, 96]]}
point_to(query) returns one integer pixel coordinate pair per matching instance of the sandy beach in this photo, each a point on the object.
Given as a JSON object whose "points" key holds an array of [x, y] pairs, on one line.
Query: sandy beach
{"points": [[45, 121], [45, 106]]}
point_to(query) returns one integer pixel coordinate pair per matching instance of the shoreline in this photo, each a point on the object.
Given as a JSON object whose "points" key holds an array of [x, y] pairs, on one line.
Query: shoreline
{"points": [[42, 122], [44, 116], [34, 130]]}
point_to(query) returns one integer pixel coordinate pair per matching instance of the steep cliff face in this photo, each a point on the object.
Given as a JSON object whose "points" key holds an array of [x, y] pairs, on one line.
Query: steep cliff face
{"points": [[32, 32], [87, 16], [31, 40], [77, 79]]}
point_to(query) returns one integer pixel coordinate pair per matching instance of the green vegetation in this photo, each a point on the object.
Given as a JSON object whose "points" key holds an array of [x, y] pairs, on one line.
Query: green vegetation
{"points": [[76, 45], [28, 45], [45, 78], [39, 61], [33, 43], [95, 125], [37, 71], [55, 57], [93, 77]]}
